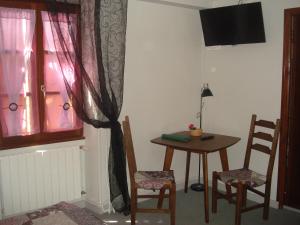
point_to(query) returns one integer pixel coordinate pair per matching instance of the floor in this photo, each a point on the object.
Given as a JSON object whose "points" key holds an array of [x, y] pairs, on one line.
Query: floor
{"points": [[190, 211]]}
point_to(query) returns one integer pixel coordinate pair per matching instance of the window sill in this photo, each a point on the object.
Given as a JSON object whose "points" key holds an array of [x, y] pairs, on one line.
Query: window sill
{"points": [[45, 147], [40, 139]]}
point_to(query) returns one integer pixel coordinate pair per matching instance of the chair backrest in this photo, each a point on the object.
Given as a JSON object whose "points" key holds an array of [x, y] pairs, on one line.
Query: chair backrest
{"points": [[266, 137], [128, 145]]}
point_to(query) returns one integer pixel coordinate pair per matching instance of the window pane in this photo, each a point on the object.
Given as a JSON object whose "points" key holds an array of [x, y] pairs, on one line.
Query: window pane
{"points": [[60, 115], [59, 112], [18, 105]]}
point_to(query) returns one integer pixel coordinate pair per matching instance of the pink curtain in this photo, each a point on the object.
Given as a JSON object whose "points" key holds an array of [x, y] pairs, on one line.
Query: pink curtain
{"points": [[60, 114], [18, 104]]}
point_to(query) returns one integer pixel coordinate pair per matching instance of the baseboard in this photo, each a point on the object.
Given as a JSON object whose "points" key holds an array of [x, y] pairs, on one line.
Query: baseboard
{"points": [[292, 209], [79, 202], [96, 207]]}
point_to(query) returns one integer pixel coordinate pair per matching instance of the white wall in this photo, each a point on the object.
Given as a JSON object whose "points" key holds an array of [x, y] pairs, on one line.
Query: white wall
{"points": [[96, 168], [246, 79], [162, 78]]}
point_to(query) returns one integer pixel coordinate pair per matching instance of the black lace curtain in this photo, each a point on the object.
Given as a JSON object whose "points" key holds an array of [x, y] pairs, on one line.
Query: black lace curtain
{"points": [[97, 91]]}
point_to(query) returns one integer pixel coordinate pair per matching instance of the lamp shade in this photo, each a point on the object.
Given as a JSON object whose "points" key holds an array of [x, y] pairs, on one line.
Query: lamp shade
{"points": [[206, 92]]}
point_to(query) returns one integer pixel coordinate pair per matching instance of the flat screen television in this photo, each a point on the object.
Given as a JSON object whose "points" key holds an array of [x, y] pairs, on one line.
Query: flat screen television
{"points": [[231, 25]]}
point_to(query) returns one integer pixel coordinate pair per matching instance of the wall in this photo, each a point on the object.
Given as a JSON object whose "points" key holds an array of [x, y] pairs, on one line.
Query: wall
{"points": [[246, 79], [162, 78], [96, 168]]}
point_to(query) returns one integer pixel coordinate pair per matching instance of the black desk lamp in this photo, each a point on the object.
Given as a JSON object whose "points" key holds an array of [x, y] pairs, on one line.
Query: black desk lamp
{"points": [[205, 92]]}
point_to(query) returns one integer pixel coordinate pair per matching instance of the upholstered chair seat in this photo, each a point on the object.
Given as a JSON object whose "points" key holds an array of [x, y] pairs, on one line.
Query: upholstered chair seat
{"points": [[153, 180], [245, 176]]}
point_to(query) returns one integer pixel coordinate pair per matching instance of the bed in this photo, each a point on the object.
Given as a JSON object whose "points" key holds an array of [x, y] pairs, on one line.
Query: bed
{"points": [[60, 214]]}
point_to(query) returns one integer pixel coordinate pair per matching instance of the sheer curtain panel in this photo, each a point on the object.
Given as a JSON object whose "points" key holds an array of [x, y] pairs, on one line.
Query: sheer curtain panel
{"points": [[18, 100], [97, 90]]}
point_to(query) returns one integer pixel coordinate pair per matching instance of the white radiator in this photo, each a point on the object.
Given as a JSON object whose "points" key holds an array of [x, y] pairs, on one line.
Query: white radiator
{"points": [[39, 178]]}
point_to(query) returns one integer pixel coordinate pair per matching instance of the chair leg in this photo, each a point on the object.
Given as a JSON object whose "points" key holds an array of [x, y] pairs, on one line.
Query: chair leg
{"points": [[133, 205], [244, 197], [214, 192], [239, 203], [187, 171], [172, 204], [161, 198], [266, 202]]}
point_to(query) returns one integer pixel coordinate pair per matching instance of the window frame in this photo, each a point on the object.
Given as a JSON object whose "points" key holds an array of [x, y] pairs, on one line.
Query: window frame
{"points": [[42, 137]]}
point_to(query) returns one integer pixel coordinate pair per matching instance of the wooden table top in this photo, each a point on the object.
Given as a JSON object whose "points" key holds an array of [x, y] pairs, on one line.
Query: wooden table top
{"points": [[197, 145]]}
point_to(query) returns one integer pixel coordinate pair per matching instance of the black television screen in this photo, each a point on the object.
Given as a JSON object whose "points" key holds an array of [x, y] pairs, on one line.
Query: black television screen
{"points": [[231, 25]]}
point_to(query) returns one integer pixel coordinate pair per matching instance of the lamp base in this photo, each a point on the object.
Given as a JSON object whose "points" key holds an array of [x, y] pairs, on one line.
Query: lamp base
{"points": [[197, 187]]}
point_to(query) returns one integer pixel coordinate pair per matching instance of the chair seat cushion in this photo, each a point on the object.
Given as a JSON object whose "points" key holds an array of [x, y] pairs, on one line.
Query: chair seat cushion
{"points": [[153, 180], [245, 176]]}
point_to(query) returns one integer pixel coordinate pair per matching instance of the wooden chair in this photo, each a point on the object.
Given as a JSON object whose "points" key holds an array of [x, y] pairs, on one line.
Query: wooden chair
{"points": [[149, 180], [245, 179]]}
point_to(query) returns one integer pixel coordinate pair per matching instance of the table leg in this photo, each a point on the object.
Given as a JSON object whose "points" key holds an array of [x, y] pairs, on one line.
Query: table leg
{"points": [[205, 182], [225, 167], [187, 171], [167, 165], [168, 158]]}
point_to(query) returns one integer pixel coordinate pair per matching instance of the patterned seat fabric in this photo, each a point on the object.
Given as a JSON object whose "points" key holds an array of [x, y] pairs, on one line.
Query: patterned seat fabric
{"points": [[246, 176], [153, 180]]}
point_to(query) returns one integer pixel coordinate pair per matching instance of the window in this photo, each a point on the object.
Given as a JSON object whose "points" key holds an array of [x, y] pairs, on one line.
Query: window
{"points": [[34, 105]]}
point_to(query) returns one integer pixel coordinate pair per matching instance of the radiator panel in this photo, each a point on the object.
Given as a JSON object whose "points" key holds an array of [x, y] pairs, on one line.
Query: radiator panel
{"points": [[40, 178]]}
